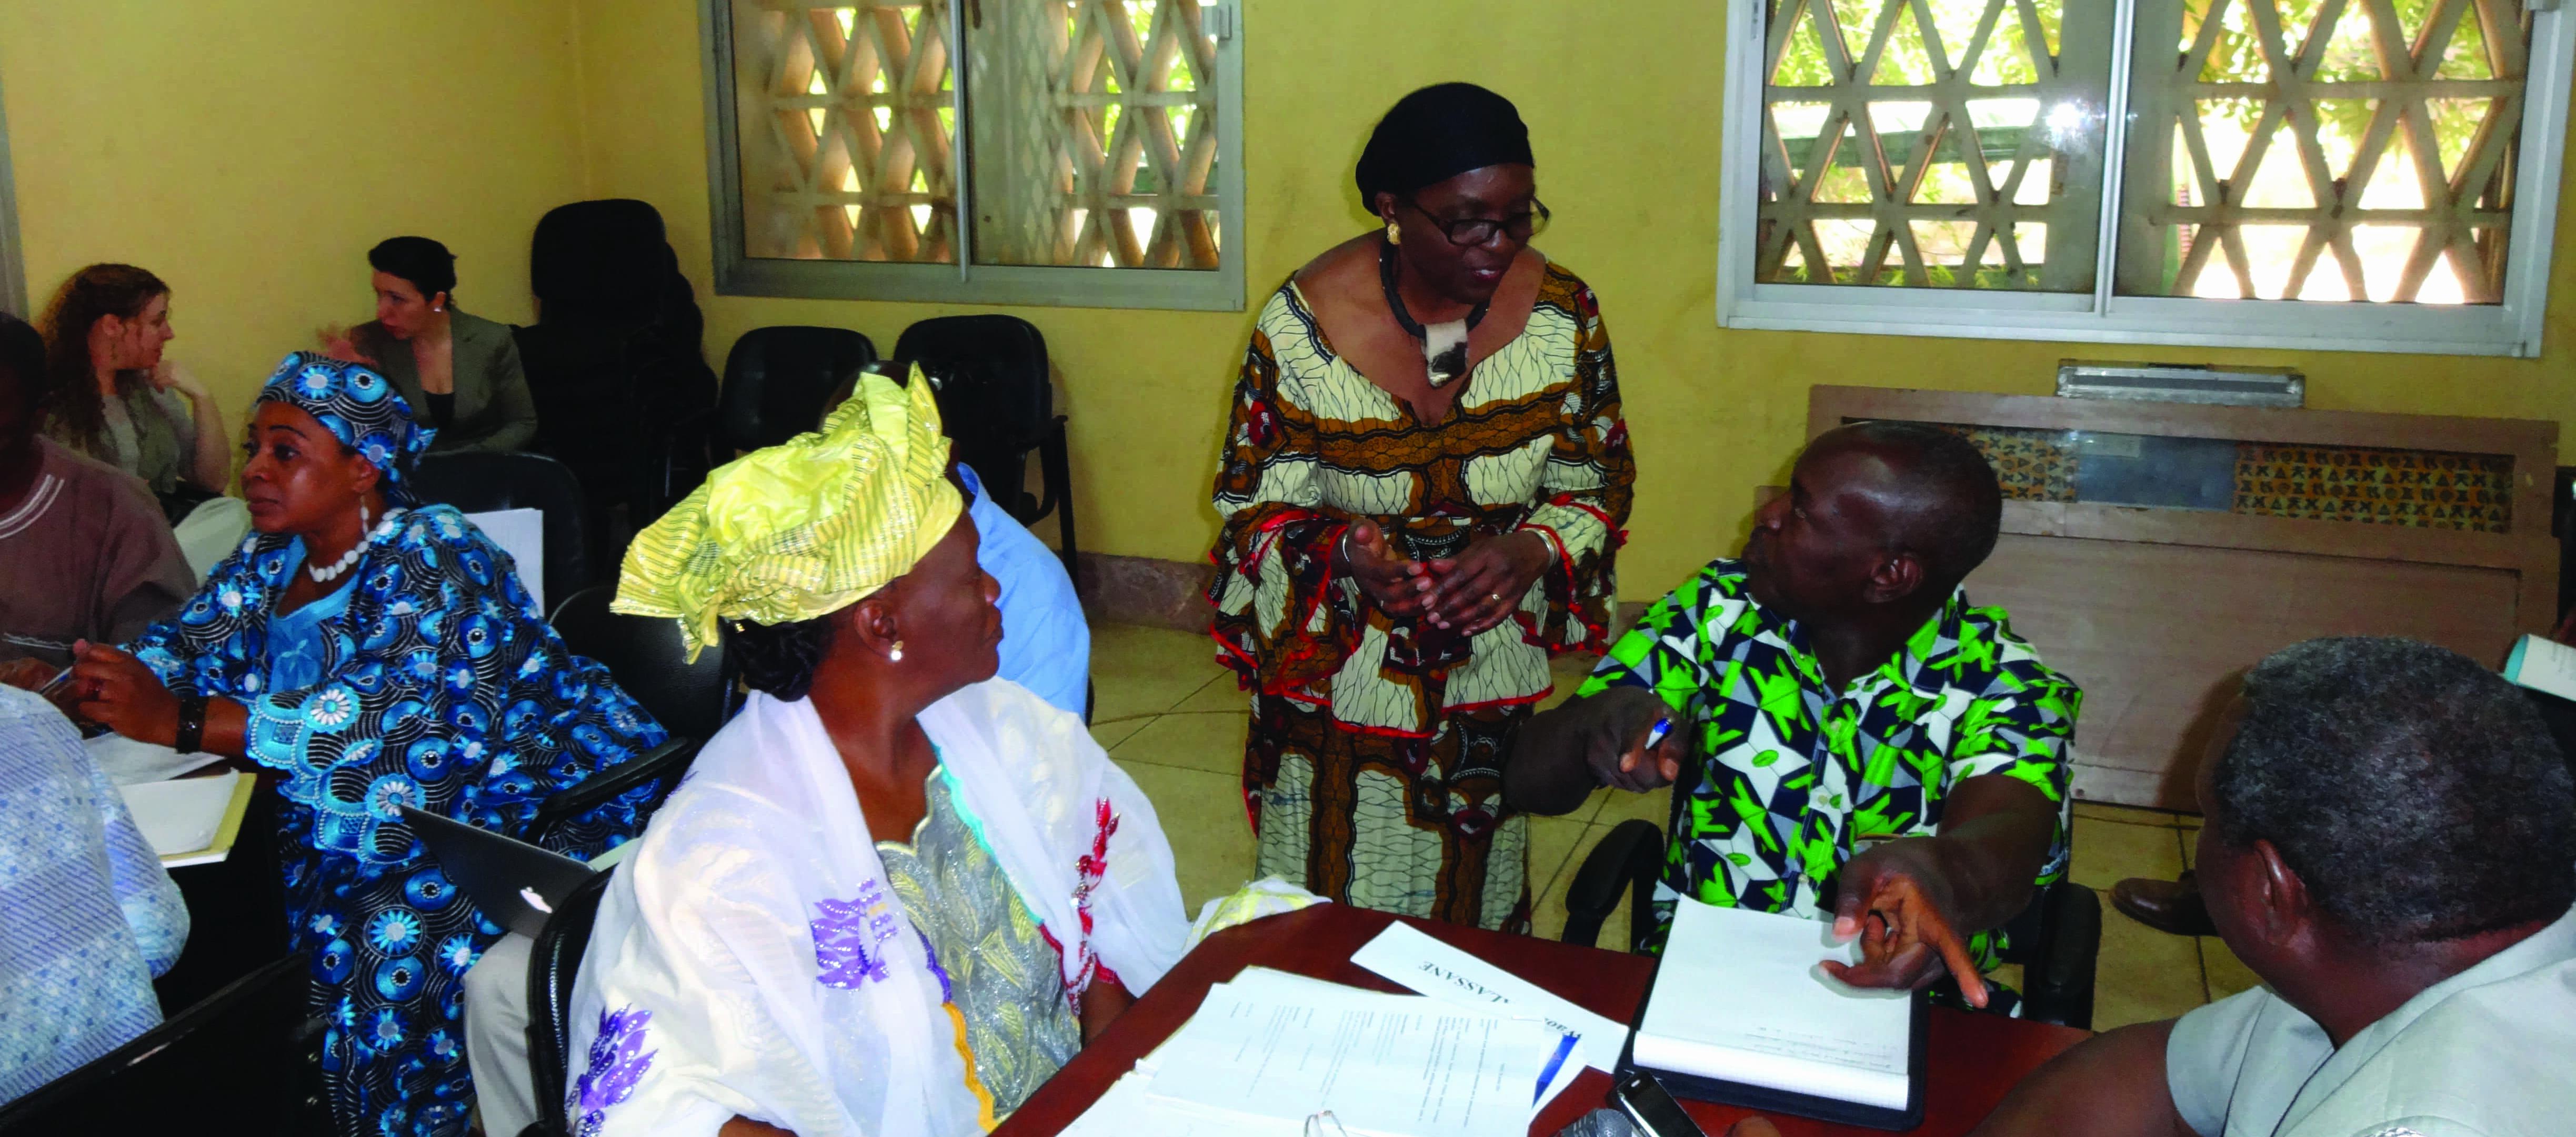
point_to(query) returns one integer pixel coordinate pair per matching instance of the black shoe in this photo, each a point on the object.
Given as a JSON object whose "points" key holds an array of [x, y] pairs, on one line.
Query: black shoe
{"points": [[2166, 905]]}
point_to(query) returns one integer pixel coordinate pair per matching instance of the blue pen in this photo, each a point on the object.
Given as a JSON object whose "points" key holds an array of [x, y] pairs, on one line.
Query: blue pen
{"points": [[1656, 733]]}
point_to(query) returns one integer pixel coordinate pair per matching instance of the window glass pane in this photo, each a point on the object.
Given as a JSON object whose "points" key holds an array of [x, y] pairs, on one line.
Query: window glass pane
{"points": [[845, 123], [1962, 153], [1094, 133], [2424, 489], [2356, 150]]}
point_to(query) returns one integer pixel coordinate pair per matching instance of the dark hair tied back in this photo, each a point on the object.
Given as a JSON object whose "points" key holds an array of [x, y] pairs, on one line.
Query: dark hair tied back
{"points": [[425, 263], [778, 658]]}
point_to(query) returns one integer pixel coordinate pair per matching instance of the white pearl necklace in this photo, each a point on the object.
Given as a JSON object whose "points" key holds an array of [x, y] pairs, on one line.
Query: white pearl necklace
{"points": [[350, 559]]}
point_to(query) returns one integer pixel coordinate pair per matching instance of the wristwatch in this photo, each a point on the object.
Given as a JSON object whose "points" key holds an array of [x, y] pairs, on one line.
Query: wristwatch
{"points": [[192, 724]]}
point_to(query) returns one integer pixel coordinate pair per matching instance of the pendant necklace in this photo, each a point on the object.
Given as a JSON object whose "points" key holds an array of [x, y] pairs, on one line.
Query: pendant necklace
{"points": [[1444, 345]]}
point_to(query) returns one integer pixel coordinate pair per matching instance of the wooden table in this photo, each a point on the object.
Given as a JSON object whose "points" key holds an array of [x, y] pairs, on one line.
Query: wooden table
{"points": [[1974, 1060]]}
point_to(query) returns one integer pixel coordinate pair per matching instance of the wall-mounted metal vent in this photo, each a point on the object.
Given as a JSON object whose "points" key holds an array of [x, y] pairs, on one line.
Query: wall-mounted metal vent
{"points": [[2182, 383]]}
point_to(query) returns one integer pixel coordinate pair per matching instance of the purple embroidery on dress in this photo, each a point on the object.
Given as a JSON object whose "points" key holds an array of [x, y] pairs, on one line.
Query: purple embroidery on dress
{"points": [[618, 1061], [849, 936], [947, 994]]}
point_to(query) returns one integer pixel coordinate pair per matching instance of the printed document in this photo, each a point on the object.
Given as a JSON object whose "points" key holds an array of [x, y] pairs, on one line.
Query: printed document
{"points": [[1390, 1071], [1408, 956]]}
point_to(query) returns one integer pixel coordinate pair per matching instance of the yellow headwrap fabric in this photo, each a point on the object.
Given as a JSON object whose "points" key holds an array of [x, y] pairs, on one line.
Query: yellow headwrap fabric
{"points": [[803, 528]]}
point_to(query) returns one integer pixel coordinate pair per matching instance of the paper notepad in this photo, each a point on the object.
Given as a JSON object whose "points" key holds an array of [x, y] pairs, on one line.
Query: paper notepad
{"points": [[180, 815], [1740, 1000], [2543, 665]]}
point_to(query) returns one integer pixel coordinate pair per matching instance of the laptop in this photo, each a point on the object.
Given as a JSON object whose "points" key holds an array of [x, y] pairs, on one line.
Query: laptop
{"points": [[516, 884]]}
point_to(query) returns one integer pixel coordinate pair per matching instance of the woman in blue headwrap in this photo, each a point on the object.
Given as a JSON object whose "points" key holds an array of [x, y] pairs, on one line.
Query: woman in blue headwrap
{"points": [[380, 653]]}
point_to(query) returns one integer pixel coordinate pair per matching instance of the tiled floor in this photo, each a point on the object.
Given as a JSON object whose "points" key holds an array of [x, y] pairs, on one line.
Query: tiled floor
{"points": [[1174, 720]]}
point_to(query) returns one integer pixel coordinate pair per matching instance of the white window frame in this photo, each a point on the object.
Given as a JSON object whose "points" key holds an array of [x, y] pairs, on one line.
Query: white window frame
{"points": [[2511, 328], [966, 282]]}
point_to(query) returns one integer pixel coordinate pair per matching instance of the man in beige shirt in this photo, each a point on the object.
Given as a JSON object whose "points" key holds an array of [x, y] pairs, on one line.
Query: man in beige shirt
{"points": [[2391, 846], [85, 553]]}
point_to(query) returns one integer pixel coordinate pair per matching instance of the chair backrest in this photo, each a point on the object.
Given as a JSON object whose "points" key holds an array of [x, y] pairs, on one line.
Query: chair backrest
{"points": [[233, 1062], [777, 379], [478, 481], [554, 962], [649, 661], [994, 393], [601, 260]]}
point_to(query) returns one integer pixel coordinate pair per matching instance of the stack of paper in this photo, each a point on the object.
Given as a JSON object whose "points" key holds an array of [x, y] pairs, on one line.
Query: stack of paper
{"points": [[1740, 998], [1269, 1049]]}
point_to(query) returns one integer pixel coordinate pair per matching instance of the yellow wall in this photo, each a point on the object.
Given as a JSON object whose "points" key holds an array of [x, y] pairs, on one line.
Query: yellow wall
{"points": [[1623, 106], [250, 151]]}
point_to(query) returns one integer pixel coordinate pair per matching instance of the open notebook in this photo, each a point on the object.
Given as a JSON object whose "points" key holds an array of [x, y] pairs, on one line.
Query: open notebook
{"points": [[1741, 1013]]}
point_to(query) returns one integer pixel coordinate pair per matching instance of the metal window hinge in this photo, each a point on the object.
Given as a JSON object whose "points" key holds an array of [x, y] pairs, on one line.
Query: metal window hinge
{"points": [[1219, 20]]}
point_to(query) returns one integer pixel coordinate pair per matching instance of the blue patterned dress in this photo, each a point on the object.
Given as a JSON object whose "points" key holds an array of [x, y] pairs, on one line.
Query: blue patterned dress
{"points": [[430, 680]]}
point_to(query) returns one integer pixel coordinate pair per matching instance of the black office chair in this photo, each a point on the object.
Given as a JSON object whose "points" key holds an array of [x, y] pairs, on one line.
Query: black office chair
{"points": [[650, 662], [997, 402], [244, 1060], [777, 379], [614, 362], [2056, 940], [479, 481], [553, 963]]}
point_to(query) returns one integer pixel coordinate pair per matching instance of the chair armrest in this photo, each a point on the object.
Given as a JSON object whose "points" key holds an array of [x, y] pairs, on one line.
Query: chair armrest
{"points": [[1627, 860], [2059, 979], [665, 761]]}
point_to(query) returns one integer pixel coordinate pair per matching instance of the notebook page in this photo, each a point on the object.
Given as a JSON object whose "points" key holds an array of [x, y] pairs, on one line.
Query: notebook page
{"points": [[1740, 997]]}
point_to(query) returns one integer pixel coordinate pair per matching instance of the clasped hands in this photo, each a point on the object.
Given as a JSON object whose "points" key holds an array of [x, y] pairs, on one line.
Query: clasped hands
{"points": [[1468, 593]]}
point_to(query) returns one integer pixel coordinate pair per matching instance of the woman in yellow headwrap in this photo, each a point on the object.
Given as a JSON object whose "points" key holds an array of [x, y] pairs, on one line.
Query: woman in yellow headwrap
{"points": [[895, 894]]}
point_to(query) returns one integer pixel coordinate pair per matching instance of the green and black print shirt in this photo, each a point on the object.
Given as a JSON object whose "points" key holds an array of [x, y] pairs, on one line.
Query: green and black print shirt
{"points": [[1794, 775]]}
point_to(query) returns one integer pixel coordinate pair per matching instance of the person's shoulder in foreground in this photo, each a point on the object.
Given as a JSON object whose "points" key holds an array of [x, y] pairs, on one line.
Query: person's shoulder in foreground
{"points": [[1046, 644], [2419, 962], [87, 915]]}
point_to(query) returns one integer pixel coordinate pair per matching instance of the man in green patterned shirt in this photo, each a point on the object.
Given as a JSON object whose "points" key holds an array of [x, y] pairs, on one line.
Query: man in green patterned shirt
{"points": [[1858, 740]]}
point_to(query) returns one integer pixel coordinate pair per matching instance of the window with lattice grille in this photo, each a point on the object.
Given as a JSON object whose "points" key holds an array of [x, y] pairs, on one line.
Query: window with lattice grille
{"points": [[1018, 151], [2371, 174]]}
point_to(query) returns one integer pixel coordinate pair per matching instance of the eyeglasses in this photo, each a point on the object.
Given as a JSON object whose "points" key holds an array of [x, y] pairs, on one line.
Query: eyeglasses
{"points": [[1478, 230]]}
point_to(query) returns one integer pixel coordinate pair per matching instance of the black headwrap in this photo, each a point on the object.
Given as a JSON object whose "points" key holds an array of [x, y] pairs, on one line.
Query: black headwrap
{"points": [[1438, 133]]}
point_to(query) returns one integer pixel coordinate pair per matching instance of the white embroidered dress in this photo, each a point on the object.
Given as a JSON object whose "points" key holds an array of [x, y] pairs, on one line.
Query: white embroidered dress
{"points": [[750, 956]]}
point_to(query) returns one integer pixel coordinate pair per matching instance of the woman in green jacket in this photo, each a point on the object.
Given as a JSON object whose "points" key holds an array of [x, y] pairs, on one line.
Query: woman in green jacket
{"points": [[459, 372]]}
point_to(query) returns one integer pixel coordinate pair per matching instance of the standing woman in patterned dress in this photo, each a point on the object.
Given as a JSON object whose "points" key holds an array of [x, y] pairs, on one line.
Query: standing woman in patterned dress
{"points": [[1422, 490], [378, 653]]}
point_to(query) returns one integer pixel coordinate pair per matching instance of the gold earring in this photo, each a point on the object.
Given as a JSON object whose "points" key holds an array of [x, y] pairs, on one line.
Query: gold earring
{"points": [[896, 656], [1394, 236]]}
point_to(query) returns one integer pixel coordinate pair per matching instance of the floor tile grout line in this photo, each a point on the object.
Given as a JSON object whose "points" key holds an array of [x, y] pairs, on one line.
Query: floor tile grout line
{"points": [[1193, 693]]}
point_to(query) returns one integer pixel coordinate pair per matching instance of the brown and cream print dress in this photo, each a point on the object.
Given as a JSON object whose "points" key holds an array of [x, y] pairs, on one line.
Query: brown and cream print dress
{"points": [[1373, 769]]}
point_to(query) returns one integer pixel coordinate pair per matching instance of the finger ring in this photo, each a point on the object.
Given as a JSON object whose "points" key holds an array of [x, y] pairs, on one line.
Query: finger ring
{"points": [[1496, 597]]}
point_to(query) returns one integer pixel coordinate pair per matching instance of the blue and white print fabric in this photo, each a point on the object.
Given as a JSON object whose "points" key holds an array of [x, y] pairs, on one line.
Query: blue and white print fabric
{"points": [[360, 409], [443, 688], [87, 916]]}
